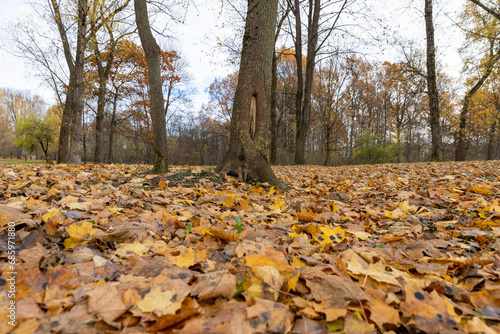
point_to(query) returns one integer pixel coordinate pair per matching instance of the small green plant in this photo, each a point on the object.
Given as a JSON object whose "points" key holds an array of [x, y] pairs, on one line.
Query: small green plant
{"points": [[239, 288], [188, 229], [239, 224]]}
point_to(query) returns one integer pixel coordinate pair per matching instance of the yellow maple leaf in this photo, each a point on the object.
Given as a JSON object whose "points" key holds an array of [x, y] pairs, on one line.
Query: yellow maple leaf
{"points": [[189, 258], [79, 235], [406, 207], [278, 204], [329, 235], [128, 249], [289, 273], [230, 201], [161, 303], [243, 205], [306, 215], [482, 189]]}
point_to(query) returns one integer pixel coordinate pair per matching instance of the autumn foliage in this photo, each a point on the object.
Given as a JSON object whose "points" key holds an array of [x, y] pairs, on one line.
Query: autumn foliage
{"points": [[407, 248]]}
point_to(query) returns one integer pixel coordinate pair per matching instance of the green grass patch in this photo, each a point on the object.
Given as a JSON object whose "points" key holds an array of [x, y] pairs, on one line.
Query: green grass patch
{"points": [[20, 161]]}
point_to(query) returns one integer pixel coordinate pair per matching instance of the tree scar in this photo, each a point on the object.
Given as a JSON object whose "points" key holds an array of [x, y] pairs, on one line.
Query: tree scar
{"points": [[253, 115]]}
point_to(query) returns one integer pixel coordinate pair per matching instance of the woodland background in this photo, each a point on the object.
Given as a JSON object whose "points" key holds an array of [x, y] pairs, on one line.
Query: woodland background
{"points": [[362, 110]]}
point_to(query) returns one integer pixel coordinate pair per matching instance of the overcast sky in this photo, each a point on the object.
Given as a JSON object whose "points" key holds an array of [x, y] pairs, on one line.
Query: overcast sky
{"points": [[202, 21]]}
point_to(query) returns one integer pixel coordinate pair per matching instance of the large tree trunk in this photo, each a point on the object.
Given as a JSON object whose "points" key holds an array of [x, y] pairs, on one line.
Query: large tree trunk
{"points": [[274, 111], [436, 151], [152, 51], [250, 118]]}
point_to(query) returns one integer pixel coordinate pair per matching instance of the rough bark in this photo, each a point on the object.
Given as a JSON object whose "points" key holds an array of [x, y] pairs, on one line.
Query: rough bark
{"points": [[274, 93], [78, 89], [152, 51], [71, 124], [490, 153], [436, 151], [299, 145], [112, 125], [250, 117], [103, 72], [274, 111], [63, 148]]}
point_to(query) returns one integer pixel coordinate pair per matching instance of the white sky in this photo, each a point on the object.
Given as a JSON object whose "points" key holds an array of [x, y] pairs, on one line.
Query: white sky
{"points": [[204, 67]]}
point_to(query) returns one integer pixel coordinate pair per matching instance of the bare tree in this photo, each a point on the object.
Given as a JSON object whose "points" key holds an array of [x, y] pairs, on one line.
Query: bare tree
{"points": [[436, 151], [71, 123], [152, 51], [315, 28], [483, 31]]}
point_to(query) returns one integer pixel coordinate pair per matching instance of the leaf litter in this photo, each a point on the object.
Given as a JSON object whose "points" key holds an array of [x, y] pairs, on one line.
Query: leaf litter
{"points": [[395, 248]]}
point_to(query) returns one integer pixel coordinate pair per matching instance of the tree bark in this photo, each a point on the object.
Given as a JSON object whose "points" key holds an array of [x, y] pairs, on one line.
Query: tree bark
{"points": [[112, 125], [274, 111], [250, 117], [436, 151], [152, 51], [303, 105], [63, 148], [274, 93], [299, 145], [78, 89]]}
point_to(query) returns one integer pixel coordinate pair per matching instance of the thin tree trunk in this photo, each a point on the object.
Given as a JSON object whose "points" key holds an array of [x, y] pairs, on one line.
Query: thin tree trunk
{"points": [[152, 51], [274, 92], [112, 129], [299, 140], [65, 129], [304, 121], [103, 73], [78, 89], [436, 151], [491, 141], [461, 146], [250, 118]]}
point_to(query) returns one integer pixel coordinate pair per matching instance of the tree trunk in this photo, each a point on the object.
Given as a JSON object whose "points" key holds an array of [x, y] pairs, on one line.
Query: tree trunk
{"points": [[491, 141], [274, 111], [65, 129], [104, 73], [112, 125], [63, 151], [78, 89], [299, 144], [250, 116], [304, 120], [152, 51], [99, 121], [274, 92], [436, 151], [461, 146], [328, 158]]}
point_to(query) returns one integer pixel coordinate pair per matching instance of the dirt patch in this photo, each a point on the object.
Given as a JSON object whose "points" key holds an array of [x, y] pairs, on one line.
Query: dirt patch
{"points": [[192, 177]]}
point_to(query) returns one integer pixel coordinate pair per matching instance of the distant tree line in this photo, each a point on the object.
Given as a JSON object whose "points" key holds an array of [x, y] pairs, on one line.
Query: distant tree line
{"points": [[124, 102]]}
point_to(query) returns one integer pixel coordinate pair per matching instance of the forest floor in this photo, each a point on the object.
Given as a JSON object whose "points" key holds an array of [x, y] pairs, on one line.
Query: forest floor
{"points": [[394, 248]]}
